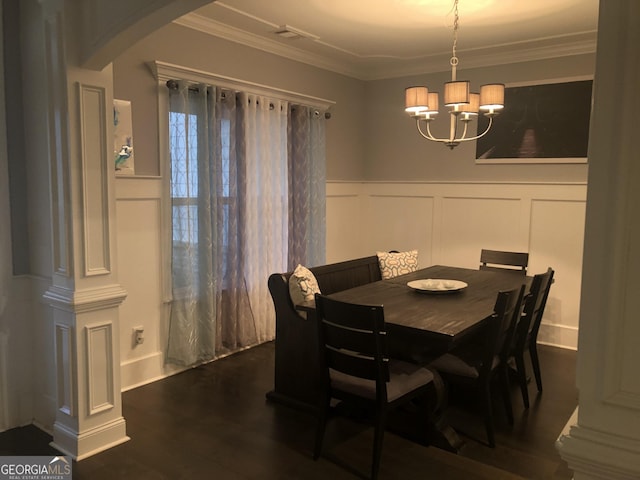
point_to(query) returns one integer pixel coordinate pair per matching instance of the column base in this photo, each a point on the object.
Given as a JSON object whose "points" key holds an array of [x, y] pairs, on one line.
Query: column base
{"points": [[595, 455], [85, 444]]}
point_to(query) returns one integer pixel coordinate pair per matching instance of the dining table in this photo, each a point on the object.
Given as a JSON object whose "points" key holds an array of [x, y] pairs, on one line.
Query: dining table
{"points": [[445, 306], [429, 312]]}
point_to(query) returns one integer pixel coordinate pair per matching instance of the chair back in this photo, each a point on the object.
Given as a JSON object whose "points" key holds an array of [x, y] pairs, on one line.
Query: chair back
{"points": [[500, 261], [352, 340], [534, 304], [501, 328]]}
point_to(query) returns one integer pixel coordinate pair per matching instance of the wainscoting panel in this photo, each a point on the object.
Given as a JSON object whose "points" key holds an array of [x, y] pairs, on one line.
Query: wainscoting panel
{"points": [[99, 338], [556, 241], [470, 224], [65, 362], [141, 273], [451, 222]]}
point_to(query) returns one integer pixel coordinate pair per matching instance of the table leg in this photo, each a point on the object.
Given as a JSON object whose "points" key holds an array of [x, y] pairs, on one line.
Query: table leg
{"points": [[436, 432]]}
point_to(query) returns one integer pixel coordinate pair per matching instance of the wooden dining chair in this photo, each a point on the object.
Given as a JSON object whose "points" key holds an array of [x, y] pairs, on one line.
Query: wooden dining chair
{"points": [[357, 370], [476, 364], [526, 336], [501, 261]]}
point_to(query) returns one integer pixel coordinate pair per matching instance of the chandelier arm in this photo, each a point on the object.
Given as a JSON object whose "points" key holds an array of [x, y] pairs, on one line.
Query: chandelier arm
{"points": [[428, 134], [431, 135], [464, 132], [478, 136]]}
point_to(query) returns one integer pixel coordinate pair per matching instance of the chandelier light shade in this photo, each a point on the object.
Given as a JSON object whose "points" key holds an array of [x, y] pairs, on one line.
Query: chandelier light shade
{"points": [[492, 96], [463, 106], [433, 104], [456, 93], [473, 107], [416, 99]]}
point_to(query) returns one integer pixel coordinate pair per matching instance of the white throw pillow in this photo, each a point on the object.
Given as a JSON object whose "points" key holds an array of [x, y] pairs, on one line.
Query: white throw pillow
{"points": [[394, 264], [302, 285]]}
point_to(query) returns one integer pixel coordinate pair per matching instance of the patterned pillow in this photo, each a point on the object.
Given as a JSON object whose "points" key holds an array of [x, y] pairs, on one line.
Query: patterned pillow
{"points": [[302, 285], [394, 264]]}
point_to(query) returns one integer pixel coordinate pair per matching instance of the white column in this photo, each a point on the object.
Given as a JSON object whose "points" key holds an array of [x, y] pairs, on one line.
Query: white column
{"points": [[604, 440], [85, 294]]}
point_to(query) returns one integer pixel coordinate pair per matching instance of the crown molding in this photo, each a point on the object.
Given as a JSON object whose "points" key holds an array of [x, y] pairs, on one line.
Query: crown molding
{"points": [[539, 49], [355, 66], [220, 30]]}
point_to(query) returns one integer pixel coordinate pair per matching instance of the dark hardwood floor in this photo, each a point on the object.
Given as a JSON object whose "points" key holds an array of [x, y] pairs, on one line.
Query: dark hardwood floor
{"points": [[214, 422]]}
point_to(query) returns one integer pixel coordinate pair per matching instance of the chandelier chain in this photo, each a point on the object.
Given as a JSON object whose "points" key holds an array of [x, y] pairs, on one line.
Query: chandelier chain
{"points": [[454, 57]]}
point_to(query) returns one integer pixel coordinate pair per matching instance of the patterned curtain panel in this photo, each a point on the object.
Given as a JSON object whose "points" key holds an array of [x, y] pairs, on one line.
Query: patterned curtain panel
{"points": [[307, 187], [195, 292], [231, 210]]}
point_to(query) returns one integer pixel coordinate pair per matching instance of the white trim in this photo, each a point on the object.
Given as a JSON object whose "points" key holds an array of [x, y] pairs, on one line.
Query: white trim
{"points": [[355, 65], [58, 111], [595, 454], [529, 161], [538, 161], [86, 300], [163, 71], [89, 442], [226, 32], [451, 182], [415, 215], [95, 174], [65, 369], [140, 371], [550, 81], [99, 369]]}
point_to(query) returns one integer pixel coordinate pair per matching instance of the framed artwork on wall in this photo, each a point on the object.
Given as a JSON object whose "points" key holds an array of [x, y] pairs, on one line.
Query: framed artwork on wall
{"points": [[123, 138], [542, 123]]}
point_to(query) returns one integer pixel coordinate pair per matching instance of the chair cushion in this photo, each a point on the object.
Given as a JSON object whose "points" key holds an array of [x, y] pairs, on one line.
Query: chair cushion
{"points": [[452, 364], [302, 286], [455, 365], [393, 264], [403, 378]]}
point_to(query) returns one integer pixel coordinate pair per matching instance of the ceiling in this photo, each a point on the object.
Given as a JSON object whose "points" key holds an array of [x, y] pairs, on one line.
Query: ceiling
{"points": [[374, 39]]}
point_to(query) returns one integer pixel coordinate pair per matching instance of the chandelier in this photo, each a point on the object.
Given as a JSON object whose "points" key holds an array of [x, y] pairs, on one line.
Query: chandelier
{"points": [[422, 105]]}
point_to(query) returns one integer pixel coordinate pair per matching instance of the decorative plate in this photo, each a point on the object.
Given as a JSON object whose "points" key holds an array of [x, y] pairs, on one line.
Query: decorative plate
{"points": [[437, 285]]}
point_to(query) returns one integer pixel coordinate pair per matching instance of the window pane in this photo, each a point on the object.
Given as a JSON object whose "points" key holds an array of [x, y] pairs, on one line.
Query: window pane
{"points": [[185, 224], [183, 147], [225, 134]]}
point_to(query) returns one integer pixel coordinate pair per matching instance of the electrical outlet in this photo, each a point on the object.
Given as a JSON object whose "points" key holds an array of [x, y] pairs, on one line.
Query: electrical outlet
{"points": [[138, 336]]}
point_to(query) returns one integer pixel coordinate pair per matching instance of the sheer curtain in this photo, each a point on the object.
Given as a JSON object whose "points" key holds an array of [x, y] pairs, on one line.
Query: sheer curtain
{"points": [[232, 204], [307, 187]]}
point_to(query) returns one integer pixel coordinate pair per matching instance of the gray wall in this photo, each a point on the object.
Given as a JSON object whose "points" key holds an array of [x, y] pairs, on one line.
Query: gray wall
{"points": [[395, 151], [369, 137], [181, 46]]}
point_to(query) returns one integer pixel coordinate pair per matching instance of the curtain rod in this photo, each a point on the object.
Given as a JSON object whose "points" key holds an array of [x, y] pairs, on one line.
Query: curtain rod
{"points": [[173, 85]]}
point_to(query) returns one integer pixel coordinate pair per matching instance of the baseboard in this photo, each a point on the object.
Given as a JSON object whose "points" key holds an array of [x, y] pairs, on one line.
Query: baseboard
{"points": [[563, 336], [148, 369], [88, 443]]}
